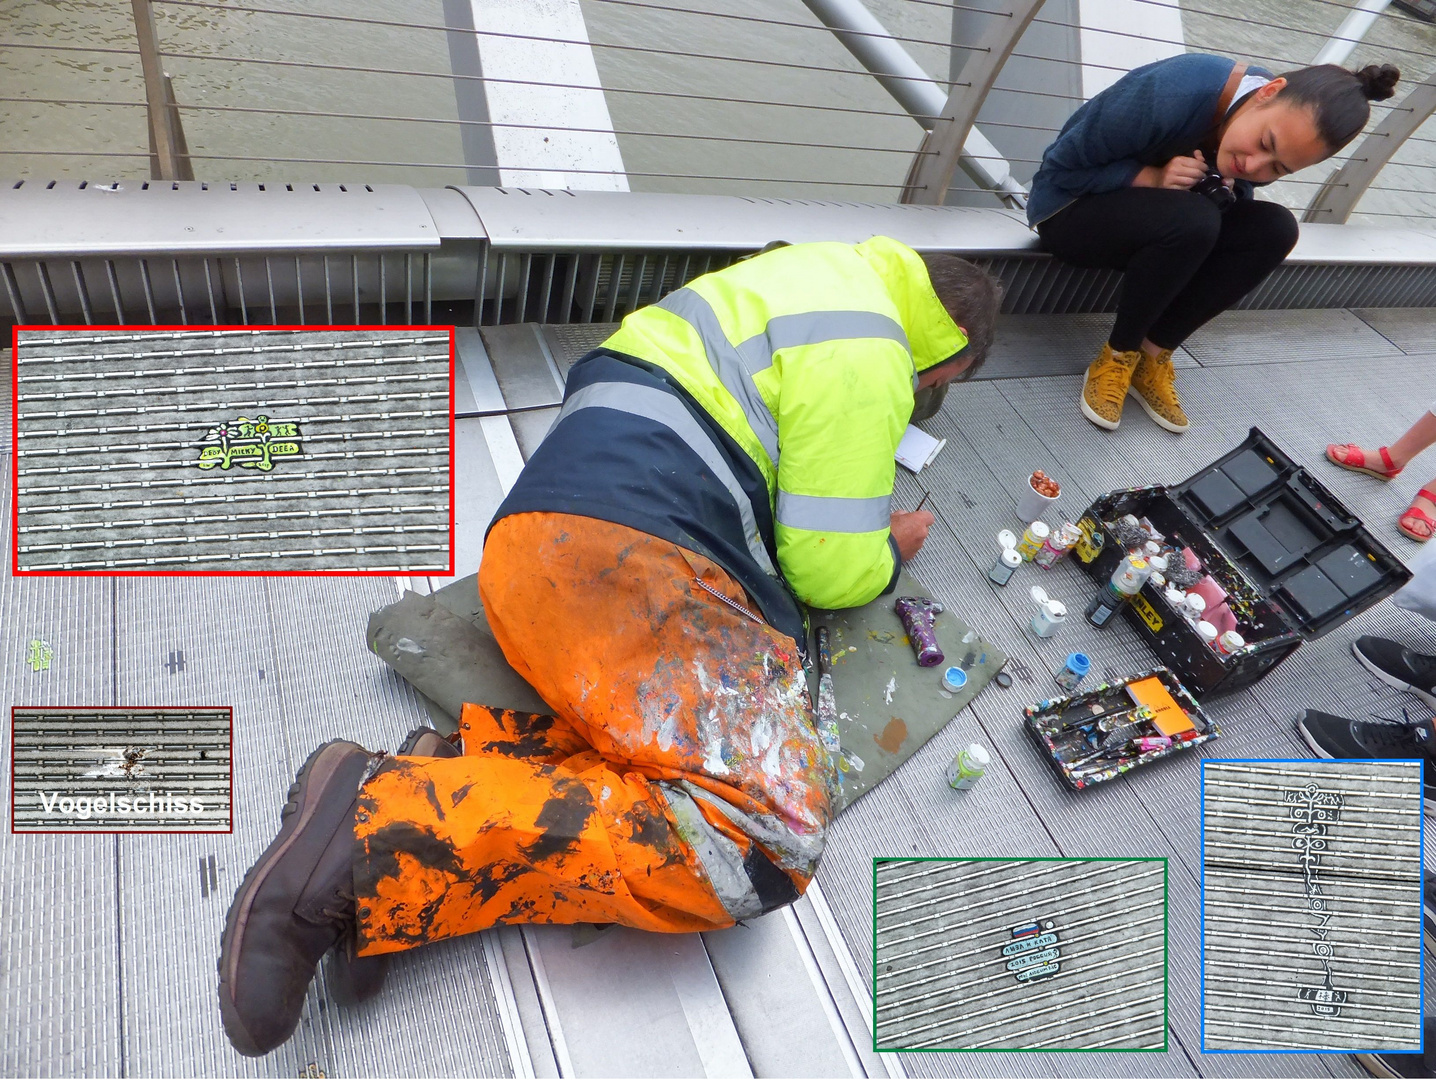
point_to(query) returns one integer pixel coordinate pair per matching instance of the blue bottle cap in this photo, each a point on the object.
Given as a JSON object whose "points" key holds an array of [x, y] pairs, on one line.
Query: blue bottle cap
{"points": [[954, 679], [1078, 663]]}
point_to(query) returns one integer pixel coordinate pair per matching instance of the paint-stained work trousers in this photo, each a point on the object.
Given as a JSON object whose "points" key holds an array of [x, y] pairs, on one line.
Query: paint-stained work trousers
{"points": [[680, 786]]}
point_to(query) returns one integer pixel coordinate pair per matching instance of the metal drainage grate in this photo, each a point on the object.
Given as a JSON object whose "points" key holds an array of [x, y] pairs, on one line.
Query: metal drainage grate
{"points": [[122, 770], [234, 451], [1311, 895], [1051, 954]]}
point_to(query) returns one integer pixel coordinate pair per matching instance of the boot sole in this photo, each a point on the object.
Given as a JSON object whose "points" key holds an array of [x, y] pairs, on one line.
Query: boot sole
{"points": [[1392, 680], [1157, 418], [410, 747], [1376, 1067], [298, 811]]}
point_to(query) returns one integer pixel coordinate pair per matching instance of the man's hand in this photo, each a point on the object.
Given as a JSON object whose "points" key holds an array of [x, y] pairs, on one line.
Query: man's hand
{"points": [[910, 530], [1179, 173]]}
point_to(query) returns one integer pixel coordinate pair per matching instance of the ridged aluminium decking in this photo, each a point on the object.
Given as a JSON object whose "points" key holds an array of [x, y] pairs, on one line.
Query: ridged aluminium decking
{"points": [[1312, 898], [120, 440], [113, 982], [954, 969], [104, 770]]}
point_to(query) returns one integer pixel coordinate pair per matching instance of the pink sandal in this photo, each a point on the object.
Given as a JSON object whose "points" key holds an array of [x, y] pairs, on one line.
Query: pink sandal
{"points": [[1415, 516], [1354, 458]]}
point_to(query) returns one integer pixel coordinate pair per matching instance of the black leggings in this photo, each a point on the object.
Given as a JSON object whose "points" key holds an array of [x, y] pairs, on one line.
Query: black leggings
{"points": [[1185, 261]]}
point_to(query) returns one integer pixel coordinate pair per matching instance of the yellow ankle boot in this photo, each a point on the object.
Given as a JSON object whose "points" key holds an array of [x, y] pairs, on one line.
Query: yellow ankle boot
{"points": [[1106, 387], [1154, 385]]}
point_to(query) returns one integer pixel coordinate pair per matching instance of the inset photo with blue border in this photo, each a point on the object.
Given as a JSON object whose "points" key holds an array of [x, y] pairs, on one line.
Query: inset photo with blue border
{"points": [[1311, 907]]}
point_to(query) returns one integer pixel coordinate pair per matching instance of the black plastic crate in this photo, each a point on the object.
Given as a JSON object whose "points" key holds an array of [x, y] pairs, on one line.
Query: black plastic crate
{"points": [[1294, 561]]}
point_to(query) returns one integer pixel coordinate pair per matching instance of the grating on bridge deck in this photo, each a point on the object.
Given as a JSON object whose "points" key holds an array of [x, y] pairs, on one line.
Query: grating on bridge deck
{"points": [[110, 941]]}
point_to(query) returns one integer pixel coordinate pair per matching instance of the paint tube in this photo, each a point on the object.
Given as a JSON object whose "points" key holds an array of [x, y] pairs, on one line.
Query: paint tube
{"points": [[919, 619]]}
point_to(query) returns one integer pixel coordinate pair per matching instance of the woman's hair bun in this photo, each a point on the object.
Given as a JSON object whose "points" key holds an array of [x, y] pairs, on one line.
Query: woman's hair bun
{"points": [[1378, 81]]}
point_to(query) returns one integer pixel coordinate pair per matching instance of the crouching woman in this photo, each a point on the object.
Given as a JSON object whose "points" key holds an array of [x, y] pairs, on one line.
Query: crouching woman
{"points": [[1154, 177]]}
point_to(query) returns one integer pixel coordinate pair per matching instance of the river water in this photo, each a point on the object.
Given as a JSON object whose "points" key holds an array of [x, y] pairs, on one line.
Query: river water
{"points": [[76, 113]]}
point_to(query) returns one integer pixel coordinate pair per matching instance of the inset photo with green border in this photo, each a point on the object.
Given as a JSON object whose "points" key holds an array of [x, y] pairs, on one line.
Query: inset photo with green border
{"points": [[1020, 954]]}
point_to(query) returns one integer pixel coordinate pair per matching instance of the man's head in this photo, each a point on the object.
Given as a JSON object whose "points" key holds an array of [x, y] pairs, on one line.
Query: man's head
{"points": [[972, 297]]}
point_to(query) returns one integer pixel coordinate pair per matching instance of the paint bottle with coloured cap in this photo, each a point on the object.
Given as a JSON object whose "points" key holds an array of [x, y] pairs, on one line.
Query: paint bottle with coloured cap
{"points": [[968, 767], [1051, 614], [1032, 539]]}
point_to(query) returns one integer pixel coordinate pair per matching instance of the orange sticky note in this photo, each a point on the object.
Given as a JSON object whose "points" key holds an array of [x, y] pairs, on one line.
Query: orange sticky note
{"points": [[1169, 717]]}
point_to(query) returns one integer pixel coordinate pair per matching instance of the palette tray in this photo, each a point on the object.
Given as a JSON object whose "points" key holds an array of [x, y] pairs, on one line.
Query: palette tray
{"points": [[1087, 737]]}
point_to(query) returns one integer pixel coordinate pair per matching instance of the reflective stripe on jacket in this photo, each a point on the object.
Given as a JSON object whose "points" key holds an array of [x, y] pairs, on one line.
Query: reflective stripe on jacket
{"points": [[807, 357]]}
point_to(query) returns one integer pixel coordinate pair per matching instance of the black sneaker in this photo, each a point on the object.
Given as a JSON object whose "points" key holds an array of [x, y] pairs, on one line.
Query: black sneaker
{"points": [[1405, 1065], [1403, 668], [1339, 737]]}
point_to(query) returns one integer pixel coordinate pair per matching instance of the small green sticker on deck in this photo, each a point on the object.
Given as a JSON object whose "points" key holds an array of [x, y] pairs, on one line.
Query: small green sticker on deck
{"points": [[40, 655], [250, 444]]}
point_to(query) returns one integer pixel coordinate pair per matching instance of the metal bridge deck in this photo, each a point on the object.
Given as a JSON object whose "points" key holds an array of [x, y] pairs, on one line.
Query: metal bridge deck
{"points": [[110, 941]]}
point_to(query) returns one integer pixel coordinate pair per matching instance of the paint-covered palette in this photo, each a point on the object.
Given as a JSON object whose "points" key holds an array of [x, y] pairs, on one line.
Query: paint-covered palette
{"points": [[888, 706]]}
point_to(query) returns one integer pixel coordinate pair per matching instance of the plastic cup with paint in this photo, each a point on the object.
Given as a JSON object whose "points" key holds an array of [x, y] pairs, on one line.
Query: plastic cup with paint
{"points": [[1031, 502], [954, 679], [1075, 670], [1193, 607], [968, 767], [1175, 597]]}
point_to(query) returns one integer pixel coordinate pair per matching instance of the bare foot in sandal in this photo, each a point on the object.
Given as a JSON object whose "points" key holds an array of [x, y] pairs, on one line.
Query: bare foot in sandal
{"points": [[1380, 462], [1419, 521]]}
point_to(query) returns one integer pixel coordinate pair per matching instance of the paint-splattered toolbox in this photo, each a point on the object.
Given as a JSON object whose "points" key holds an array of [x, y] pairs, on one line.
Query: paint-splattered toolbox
{"points": [[1270, 555], [1103, 732]]}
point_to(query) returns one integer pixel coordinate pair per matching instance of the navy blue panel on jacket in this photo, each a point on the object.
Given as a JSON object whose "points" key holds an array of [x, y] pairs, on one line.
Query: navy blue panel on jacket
{"points": [[1147, 117], [617, 463]]}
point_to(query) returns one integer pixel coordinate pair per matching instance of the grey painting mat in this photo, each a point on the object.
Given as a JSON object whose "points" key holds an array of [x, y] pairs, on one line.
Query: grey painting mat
{"points": [[888, 706]]}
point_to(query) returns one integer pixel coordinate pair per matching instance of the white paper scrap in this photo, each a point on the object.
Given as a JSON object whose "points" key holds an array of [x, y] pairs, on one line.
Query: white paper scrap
{"points": [[918, 449]]}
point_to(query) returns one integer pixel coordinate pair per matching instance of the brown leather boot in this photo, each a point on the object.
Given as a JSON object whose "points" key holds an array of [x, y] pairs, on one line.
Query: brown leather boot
{"points": [[295, 902], [352, 978], [1108, 379], [1154, 385]]}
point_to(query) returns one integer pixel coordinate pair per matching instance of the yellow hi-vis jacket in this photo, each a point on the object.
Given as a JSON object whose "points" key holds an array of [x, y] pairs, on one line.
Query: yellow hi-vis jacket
{"points": [[807, 356]]}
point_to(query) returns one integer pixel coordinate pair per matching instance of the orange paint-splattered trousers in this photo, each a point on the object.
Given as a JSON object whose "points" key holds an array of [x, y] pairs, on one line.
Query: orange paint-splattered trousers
{"points": [[680, 786]]}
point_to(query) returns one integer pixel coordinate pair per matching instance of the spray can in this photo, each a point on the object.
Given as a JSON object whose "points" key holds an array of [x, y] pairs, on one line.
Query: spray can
{"points": [[1230, 642], [1174, 597], [1104, 605], [968, 767], [1051, 614], [1193, 608], [1127, 581], [1208, 633], [1131, 574], [1032, 539], [1075, 670]]}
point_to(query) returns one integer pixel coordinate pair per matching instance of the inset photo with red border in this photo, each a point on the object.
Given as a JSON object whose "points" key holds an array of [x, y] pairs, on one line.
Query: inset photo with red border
{"points": [[226, 450]]}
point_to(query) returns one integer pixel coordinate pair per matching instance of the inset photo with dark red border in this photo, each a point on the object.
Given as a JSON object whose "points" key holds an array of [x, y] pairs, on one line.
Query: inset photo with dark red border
{"points": [[108, 770], [226, 450]]}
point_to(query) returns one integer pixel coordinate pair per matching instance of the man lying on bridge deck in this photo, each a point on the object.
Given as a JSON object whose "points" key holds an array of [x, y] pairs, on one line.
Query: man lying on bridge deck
{"points": [[723, 459]]}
